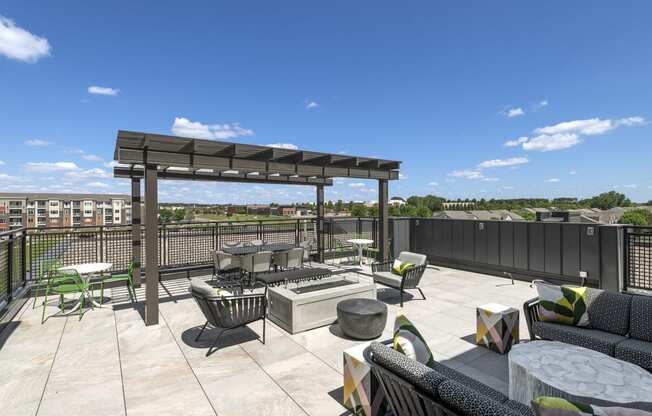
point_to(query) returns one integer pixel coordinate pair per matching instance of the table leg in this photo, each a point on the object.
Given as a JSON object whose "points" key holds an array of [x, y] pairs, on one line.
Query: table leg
{"points": [[360, 254]]}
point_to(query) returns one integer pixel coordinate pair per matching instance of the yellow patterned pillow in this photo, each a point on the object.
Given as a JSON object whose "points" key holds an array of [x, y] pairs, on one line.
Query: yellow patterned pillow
{"points": [[400, 267]]}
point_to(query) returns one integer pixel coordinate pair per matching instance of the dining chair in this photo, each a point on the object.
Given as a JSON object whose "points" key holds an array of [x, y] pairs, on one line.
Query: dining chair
{"points": [[65, 283], [225, 265], [289, 259], [259, 262], [307, 246], [47, 268], [128, 278]]}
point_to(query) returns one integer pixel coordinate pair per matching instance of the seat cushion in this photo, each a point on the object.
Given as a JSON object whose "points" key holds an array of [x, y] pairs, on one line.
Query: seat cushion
{"points": [[414, 258], [467, 381], [636, 352], [388, 278], [609, 311], [593, 339], [640, 322], [414, 372], [467, 402]]}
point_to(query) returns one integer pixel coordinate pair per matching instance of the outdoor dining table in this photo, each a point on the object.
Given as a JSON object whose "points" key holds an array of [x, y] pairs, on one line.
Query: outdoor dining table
{"points": [[360, 243], [292, 276], [86, 272], [244, 250]]}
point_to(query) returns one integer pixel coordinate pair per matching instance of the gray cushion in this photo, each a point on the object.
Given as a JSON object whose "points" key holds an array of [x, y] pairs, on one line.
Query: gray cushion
{"points": [[458, 377], [640, 323], [414, 258], [411, 370], [609, 311], [468, 402], [388, 278], [636, 352], [519, 408], [601, 341], [201, 288]]}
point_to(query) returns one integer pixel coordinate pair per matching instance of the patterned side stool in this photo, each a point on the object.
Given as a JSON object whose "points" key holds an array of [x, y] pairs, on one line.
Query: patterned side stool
{"points": [[362, 393], [497, 327]]}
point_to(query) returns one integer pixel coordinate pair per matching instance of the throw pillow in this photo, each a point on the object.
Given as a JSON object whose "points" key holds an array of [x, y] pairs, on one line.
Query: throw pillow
{"points": [[400, 267], [222, 292], [408, 340], [563, 304], [555, 406]]}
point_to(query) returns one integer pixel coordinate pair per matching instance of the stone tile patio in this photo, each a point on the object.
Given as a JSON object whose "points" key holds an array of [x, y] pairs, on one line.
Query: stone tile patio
{"points": [[109, 363]]}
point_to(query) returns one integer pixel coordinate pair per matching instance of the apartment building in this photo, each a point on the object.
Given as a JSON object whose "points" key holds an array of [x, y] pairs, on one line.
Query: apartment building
{"points": [[34, 210]]}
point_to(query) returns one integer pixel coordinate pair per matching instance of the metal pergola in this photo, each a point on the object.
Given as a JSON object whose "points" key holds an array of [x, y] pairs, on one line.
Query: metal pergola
{"points": [[154, 156]]}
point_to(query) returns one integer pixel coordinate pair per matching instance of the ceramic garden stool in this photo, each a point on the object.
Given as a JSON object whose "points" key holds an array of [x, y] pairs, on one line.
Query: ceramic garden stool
{"points": [[362, 394], [497, 327]]}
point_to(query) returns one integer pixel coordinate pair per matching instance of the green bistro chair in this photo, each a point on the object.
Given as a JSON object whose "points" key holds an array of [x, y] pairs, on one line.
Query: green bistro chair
{"points": [[128, 278], [65, 283], [48, 267]]}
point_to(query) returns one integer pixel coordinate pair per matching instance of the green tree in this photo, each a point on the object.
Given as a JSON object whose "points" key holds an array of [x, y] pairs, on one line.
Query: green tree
{"points": [[339, 206], [608, 200], [636, 217], [358, 210], [164, 215], [423, 212], [178, 214]]}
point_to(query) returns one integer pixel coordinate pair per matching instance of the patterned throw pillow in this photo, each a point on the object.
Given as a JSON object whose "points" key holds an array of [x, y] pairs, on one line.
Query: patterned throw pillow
{"points": [[563, 304], [554, 406], [408, 340], [400, 267], [222, 292]]}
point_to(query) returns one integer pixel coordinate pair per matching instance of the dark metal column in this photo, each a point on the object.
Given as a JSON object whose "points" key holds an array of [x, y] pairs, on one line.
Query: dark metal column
{"points": [[151, 245], [383, 219], [320, 223], [135, 230]]}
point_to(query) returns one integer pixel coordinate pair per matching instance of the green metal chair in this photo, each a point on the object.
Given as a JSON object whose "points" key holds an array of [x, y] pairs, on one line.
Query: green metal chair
{"points": [[48, 267], [341, 250], [65, 283], [128, 278]]}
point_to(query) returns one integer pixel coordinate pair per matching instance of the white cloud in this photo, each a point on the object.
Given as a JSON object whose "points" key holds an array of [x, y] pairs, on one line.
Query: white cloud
{"points": [[631, 121], [289, 146], [467, 174], [630, 186], [357, 185], [100, 185], [516, 142], [94, 89], [547, 143], [37, 143], [311, 104], [590, 127], [508, 187], [111, 164], [541, 104], [433, 184], [91, 158], [490, 179], [2, 162], [50, 166], [572, 172], [89, 173], [552, 180], [495, 163], [184, 127], [402, 177], [513, 112], [19, 44]]}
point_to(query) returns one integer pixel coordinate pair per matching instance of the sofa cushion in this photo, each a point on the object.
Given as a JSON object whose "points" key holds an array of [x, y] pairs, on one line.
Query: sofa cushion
{"points": [[636, 352], [563, 304], [593, 339], [640, 322], [388, 278], [609, 311], [519, 408], [467, 402], [414, 258], [409, 341], [467, 381], [414, 372]]}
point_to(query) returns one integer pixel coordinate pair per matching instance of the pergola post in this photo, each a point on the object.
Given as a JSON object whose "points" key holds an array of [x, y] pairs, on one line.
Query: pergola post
{"points": [[135, 230], [383, 219], [320, 223], [151, 245]]}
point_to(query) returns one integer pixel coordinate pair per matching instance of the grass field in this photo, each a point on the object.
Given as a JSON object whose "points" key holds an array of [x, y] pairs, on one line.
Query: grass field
{"points": [[238, 217]]}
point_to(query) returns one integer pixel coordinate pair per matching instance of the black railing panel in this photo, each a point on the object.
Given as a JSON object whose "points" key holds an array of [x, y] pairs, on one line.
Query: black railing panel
{"points": [[638, 257]]}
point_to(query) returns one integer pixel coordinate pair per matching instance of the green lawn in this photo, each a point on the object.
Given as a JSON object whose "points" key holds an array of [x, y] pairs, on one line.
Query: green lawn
{"points": [[238, 217]]}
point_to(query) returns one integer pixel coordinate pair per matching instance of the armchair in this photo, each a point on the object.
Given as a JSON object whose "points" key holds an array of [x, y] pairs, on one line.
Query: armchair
{"points": [[382, 273]]}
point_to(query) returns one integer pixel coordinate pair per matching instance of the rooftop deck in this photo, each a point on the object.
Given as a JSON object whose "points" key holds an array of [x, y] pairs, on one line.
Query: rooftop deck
{"points": [[110, 363]]}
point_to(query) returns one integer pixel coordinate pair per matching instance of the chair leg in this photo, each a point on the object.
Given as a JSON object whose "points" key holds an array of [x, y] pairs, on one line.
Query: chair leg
{"points": [[263, 330], [45, 302], [401, 298], [422, 295], [201, 332], [101, 292], [214, 344]]}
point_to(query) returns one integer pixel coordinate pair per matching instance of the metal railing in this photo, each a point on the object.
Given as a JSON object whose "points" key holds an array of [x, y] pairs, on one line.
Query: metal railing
{"points": [[12, 264], [638, 258]]}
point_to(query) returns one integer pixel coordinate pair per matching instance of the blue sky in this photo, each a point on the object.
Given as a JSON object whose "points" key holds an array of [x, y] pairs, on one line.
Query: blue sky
{"points": [[478, 99]]}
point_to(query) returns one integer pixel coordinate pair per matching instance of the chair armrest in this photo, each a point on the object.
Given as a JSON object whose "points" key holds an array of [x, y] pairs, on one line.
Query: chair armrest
{"points": [[531, 312], [412, 276], [382, 266]]}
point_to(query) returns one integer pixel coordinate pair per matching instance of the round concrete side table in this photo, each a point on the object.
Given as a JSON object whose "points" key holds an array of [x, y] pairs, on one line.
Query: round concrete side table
{"points": [[362, 318]]}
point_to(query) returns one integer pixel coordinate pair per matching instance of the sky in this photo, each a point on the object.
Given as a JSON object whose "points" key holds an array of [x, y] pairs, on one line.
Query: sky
{"points": [[477, 99]]}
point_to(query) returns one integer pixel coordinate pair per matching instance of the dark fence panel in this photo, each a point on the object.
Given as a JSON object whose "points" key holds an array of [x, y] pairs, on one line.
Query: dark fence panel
{"points": [[506, 244], [570, 250], [521, 255], [553, 246], [590, 252], [12, 264], [493, 242], [638, 257]]}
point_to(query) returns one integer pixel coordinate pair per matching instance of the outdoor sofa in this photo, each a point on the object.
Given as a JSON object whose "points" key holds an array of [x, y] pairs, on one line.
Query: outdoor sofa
{"points": [[620, 326], [412, 388], [382, 273]]}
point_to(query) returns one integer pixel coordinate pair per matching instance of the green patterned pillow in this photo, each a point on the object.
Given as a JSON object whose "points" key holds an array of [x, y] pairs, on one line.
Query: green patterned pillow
{"points": [[408, 340], [554, 406], [400, 267], [563, 304]]}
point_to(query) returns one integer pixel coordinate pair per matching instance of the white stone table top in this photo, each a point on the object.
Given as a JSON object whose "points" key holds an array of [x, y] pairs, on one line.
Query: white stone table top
{"points": [[582, 372]]}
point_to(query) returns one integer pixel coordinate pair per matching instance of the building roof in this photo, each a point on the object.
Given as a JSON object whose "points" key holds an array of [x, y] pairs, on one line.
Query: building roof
{"points": [[397, 198], [65, 196], [199, 159]]}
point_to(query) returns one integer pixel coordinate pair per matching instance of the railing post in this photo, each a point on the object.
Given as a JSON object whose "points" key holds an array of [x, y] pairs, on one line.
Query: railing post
{"points": [[10, 266], [23, 259], [101, 235]]}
